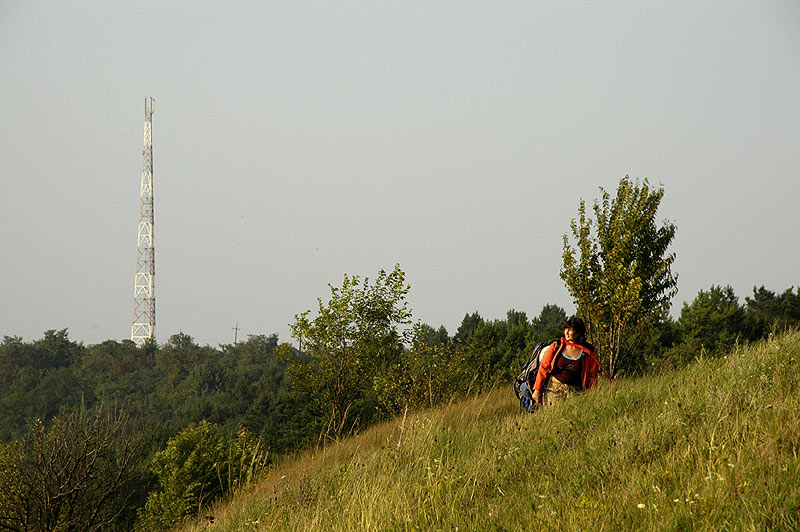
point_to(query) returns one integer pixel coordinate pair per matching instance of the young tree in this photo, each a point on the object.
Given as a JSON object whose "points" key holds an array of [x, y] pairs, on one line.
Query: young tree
{"points": [[619, 272], [354, 333]]}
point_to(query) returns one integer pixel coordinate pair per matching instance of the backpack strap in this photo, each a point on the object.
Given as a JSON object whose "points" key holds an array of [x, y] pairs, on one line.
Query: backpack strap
{"points": [[560, 346], [591, 354]]}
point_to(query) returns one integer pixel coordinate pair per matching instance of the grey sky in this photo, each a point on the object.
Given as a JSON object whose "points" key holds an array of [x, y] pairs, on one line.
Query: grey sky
{"points": [[297, 141]]}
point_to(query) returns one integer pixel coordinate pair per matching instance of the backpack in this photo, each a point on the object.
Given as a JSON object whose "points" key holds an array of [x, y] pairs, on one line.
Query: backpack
{"points": [[523, 384]]}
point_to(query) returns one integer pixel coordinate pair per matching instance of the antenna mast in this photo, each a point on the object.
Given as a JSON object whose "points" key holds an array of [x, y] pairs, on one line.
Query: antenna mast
{"points": [[144, 294]]}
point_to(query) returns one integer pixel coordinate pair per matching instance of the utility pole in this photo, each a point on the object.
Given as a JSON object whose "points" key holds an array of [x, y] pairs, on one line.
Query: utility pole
{"points": [[235, 334], [144, 286]]}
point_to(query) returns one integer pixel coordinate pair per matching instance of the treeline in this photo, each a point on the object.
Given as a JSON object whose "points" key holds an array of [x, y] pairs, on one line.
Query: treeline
{"points": [[250, 402], [715, 321], [167, 387], [173, 385]]}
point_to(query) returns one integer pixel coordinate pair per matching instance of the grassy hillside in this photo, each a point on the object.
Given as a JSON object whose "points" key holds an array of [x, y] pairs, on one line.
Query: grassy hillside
{"points": [[712, 447]]}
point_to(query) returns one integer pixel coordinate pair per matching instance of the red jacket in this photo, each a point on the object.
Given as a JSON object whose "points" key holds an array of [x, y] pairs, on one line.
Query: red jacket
{"points": [[590, 365]]}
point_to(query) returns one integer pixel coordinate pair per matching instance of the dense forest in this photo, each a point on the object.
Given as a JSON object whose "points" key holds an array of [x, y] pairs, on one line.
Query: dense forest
{"points": [[247, 388]]}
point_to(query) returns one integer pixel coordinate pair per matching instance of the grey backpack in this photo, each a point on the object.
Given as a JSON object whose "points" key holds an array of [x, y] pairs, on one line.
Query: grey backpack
{"points": [[523, 384]]}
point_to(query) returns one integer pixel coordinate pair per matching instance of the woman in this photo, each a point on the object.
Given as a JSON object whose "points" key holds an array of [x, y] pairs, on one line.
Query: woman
{"points": [[568, 366]]}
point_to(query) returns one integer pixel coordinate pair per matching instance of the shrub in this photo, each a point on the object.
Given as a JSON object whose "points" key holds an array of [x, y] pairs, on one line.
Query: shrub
{"points": [[197, 467], [76, 474], [426, 376]]}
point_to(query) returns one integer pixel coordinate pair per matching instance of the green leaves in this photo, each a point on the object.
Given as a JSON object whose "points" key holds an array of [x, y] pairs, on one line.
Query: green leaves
{"points": [[619, 272], [430, 373], [198, 466], [360, 328], [714, 320]]}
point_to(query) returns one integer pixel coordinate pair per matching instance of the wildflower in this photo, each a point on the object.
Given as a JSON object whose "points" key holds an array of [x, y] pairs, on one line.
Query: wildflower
{"points": [[640, 506]]}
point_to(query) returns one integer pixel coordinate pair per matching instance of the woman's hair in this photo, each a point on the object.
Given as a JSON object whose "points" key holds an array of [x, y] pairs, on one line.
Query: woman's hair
{"points": [[577, 325]]}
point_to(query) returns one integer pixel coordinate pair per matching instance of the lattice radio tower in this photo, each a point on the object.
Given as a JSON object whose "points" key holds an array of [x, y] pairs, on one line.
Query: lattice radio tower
{"points": [[144, 287]]}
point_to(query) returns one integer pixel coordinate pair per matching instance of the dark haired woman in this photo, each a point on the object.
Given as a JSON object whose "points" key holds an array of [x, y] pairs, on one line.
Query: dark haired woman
{"points": [[568, 365]]}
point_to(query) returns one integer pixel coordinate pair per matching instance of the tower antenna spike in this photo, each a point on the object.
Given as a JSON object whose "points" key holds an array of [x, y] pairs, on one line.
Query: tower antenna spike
{"points": [[144, 287]]}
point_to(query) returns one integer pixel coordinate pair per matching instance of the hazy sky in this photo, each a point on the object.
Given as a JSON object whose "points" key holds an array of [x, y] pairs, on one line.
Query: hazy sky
{"points": [[298, 141]]}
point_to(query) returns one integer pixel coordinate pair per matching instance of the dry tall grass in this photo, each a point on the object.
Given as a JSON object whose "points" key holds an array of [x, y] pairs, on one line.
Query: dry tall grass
{"points": [[711, 447]]}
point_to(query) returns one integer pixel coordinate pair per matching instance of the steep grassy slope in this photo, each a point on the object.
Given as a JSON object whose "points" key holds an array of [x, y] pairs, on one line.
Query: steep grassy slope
{"points": [[712, 447]]}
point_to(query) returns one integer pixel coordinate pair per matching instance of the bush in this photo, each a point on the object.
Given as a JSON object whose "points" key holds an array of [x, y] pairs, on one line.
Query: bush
{"points": [[77, 474], [426, 376], [197, 467]]}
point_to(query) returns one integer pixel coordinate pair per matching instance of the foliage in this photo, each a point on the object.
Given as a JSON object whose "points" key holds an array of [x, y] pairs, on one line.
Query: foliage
{"points": [[11, 498], [714, 321], [619, 273], [165, 389], [425, 334], [711, 324], [496, 347], [187, 475], [197, 467], [38, 380], [659, 347], [432, 372], [75, 475], [467, 328], [548, 325], [768, 311], [355, 334]]}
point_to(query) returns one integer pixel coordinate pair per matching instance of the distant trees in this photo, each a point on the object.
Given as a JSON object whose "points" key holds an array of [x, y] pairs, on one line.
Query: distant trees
{"points": [[619, 272], [494, 347], [767, 310], [714, 320], [548, 325], [467, 329], [37, 378], [165, 389]]}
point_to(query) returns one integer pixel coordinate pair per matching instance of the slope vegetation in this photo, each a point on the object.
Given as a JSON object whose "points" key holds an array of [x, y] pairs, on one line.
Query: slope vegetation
{"points": [[711, 447]]}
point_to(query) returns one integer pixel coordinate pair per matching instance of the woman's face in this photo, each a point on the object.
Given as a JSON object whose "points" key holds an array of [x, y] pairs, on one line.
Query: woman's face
{"points": [[569, 334]]}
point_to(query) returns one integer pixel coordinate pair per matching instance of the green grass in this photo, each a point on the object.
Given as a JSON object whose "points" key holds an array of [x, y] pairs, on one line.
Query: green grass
{"points": [[711, 447]]}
